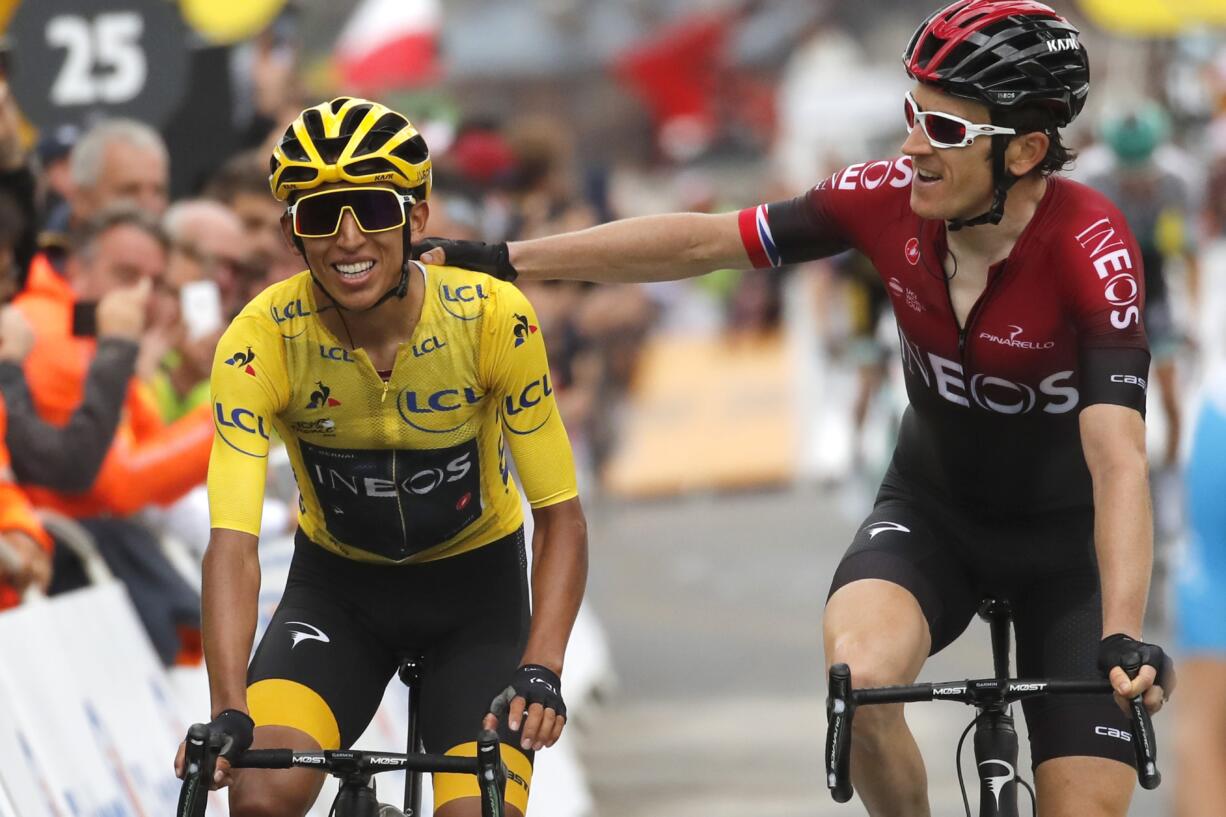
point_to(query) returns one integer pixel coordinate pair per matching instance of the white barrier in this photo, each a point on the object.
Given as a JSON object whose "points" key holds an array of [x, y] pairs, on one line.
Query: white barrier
{"points": [[90, 721]]}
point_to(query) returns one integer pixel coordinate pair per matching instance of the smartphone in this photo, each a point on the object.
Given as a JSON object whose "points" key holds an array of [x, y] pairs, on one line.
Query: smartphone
{"points": [[200, 305], [85, 319]]}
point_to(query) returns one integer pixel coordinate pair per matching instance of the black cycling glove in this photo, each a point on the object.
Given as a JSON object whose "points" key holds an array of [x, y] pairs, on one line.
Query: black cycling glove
{"points": [[1119, 650], [492, 259], [235, 729], [536, 685]]}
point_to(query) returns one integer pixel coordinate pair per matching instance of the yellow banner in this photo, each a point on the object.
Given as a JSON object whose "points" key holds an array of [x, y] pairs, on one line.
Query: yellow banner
{"points": [[1153, 18]]}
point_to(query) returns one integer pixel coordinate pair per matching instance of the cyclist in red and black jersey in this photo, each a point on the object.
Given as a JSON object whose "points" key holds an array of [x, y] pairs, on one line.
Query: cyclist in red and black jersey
{"points": [[1020, 470]]}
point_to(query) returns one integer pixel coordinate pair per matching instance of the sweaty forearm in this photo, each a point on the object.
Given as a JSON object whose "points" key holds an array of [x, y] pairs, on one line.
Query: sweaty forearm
{"points": [[1123, 541], [229, 598], [649, 248], [559, 574]]}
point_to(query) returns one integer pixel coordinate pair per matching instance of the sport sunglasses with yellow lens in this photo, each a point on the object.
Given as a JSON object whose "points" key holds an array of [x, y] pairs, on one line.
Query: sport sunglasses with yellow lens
{"points": [[318, 215]]}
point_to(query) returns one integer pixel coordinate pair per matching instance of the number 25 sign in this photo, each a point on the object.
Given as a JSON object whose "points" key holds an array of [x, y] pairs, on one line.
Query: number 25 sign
{"points": [[78, 59]]}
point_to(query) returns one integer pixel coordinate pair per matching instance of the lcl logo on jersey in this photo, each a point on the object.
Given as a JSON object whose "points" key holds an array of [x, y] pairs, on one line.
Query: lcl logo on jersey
{"points": [[530, 396], [458, 302], [438, 412], [241, 428], [1116, 268], [338, 353]]}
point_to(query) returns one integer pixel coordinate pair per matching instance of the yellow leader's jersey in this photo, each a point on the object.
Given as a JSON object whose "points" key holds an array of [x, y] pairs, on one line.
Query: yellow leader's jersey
{"points": [[408, 470]]}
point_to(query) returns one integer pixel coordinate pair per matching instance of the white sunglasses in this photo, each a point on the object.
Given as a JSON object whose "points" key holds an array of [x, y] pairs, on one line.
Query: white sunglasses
{"points": [[944, 130]]}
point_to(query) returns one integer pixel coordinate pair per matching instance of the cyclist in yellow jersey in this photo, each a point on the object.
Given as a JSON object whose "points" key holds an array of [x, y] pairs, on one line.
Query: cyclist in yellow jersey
{"points": [[402, 392]]}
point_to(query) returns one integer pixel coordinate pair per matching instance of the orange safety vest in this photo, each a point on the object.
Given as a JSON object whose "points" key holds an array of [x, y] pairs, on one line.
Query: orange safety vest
{"points": [[16, 513], [149, 462]]}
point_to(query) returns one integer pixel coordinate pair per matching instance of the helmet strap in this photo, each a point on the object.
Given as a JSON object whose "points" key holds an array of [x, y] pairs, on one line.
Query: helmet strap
{"points": [[1002, 180], [400, 290]]}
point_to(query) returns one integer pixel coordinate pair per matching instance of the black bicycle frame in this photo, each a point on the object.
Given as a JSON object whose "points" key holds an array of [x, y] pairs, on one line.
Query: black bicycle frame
{"points": [[995, 737]]}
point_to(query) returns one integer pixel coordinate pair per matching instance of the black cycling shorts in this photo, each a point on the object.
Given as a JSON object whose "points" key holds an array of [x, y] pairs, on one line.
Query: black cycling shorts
{"points": [[949, 559], [342, 627]]}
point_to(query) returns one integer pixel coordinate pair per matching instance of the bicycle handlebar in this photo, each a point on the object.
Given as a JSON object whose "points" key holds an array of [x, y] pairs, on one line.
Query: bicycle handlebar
{"points": [[842, 700], [200, 756]]}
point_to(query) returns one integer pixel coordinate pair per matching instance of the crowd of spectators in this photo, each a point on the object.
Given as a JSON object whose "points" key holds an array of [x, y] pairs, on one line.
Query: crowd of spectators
{"points": [[114, 299]]}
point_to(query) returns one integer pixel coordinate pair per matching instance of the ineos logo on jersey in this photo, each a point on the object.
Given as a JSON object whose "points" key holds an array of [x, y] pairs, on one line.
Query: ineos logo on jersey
{"points": [[1113, 263], [995, 394], [869, 176], [896, 287], [420, 482]]}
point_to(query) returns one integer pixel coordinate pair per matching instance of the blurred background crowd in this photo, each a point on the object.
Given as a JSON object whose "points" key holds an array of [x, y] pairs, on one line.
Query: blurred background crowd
{"points": [[135, 221]]}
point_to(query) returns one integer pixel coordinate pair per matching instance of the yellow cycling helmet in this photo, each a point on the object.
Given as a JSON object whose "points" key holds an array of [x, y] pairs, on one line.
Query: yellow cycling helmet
{"points": [[350, 140]]}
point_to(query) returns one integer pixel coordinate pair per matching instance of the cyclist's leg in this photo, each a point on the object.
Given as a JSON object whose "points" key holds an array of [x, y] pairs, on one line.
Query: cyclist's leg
{"points": [[897, 597], [1080, 745], [315, 681], [276, 792], [469, 664]]}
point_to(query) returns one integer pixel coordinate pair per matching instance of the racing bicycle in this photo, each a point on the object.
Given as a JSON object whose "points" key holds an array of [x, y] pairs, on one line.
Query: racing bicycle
{"points": [[995, 737], [356, 769]]}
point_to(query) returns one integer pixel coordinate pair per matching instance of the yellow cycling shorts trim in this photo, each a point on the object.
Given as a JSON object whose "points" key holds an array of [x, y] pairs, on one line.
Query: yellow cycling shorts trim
{"points": [[280, 702], [448, 787]]}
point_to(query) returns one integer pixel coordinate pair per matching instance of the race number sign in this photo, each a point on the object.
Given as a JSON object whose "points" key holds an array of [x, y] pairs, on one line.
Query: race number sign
{"points": [[74, 60]]}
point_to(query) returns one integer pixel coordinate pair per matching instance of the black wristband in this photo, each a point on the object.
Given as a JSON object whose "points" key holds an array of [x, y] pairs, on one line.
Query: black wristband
{"points": [[492, 259], [236, 730]]}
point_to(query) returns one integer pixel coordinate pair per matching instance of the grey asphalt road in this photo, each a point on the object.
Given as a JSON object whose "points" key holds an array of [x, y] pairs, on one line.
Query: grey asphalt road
{"points": [[712, 605]]}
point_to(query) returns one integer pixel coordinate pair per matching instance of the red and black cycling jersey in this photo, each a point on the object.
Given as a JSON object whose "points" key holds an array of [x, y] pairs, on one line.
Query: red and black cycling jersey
{"points": [[993, 417]]}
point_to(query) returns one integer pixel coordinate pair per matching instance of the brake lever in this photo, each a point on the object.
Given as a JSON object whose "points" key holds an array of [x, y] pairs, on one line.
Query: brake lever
{"points": [[1144, 743], [197, 772]]}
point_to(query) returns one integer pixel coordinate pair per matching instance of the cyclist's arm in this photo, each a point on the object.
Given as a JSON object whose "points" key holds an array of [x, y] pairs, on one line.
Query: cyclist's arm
{"points": [[1113, 438], [533, 430], [648, 248], [229, 601], [824, 221], [559, 574]]}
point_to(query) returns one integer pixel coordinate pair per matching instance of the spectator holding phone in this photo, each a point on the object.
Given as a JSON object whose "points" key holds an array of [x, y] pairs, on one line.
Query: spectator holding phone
{"points": [[117, 263], [207, 257]]}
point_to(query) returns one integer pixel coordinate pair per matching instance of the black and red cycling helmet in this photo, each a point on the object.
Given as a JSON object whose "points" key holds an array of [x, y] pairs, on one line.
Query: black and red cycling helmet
{"points": [[1004, 54]]}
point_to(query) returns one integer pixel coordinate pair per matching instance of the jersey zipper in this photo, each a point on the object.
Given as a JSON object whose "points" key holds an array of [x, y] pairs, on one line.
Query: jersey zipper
{"points": [[963, 331]]}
